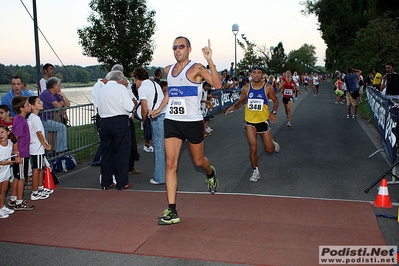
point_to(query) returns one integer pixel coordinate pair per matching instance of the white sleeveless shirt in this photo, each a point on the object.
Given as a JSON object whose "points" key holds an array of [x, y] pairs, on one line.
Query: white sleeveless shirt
{"points": [[5, 153], [184, 96]]}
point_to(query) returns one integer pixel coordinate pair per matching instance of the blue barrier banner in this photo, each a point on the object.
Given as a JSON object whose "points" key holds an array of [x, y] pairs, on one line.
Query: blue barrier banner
{"points": [[379, 107], [225, 99]]}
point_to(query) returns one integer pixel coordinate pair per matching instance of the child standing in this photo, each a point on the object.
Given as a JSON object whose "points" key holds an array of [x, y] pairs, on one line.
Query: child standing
{"points": [[338, 91], [5, 118], [20, 128], [36, 149], [8, 143]]}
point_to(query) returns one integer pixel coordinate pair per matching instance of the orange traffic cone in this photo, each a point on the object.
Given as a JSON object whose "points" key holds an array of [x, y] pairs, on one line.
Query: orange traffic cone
{"points": [[383, 200], [48, 179]]}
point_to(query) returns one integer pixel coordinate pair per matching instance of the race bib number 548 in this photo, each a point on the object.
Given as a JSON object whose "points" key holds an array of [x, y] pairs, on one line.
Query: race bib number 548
{"points": [[255, 104]]}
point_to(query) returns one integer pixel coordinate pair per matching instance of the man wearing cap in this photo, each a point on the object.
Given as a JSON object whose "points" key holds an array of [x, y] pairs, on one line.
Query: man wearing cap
{"points": [[257, 117]]}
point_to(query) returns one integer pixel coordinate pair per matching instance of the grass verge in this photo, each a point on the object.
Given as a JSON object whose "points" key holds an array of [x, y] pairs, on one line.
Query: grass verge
{"points": [[86, 155]]}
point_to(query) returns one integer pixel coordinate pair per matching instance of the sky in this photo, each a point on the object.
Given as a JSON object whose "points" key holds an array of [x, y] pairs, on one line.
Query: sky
{"points": [[264, 22]]}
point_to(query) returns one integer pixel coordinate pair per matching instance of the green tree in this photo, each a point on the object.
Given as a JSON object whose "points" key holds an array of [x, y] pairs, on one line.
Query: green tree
{"points": [[67, 73], [297, 59], [96, 72], [23, 74], [279, 58], [369, 51], [265, 55], [342, 25], [251, 57], [276, 61], [59, 76], [5, 76], [120, 32], [82, 76]]}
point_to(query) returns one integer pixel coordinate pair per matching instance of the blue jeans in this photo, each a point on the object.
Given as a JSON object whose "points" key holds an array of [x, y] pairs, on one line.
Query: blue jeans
{"points": [[51, 125], [157, 127]]}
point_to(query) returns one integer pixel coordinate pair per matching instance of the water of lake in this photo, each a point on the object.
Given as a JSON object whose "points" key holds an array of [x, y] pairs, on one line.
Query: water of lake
{"points": [[76, 95]]}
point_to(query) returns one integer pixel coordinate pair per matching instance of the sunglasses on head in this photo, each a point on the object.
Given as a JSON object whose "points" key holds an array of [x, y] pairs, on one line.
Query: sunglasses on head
{"points": [[180, 46]]}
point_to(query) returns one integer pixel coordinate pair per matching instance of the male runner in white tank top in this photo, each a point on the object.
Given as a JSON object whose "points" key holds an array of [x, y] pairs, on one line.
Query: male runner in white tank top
{"points": [[183, 119]]}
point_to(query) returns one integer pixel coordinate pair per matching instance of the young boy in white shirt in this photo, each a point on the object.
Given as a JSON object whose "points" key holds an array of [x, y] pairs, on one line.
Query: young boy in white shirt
{"points": [[38, 144]]}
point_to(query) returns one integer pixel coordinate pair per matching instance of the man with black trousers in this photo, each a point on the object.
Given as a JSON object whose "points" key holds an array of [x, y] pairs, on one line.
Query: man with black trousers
{"points": [[114, 106]]}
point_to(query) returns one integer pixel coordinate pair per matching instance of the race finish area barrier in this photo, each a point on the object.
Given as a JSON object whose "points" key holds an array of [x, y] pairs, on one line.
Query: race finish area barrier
{"points": [[225, 99], [78, 124], [383, 111]]}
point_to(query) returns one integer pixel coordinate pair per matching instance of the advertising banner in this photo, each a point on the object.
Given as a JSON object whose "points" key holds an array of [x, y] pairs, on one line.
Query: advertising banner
{"points": [[379, 108]]}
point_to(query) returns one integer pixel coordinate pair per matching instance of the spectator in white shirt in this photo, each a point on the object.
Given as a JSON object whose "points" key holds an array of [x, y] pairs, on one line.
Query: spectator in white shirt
{"points": [[114, 107], [151, 96], [48, 72], [134, 154]]}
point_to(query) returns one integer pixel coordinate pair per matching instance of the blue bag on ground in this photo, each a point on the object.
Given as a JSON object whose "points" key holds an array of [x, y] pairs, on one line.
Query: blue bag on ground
{"points": [[63, 163]]}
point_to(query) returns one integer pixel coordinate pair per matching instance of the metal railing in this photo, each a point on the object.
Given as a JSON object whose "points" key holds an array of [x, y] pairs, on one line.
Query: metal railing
{"points": [[79, 121]]}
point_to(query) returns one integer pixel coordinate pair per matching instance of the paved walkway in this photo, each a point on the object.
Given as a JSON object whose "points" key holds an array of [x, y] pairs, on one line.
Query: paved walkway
{"points": [[323, 155], [225, 227]]}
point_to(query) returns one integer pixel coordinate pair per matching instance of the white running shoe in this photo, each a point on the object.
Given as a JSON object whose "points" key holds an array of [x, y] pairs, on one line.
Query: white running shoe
{"points": [[148, 149], [6, 210], [255, 176], [3, 215], [152, 181], [46, 191], [208, 130], [289, 124], [39, 196], [276, 146]]}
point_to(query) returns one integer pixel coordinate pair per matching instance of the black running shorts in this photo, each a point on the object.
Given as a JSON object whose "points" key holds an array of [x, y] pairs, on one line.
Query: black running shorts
{"points": [[260, 127], [286, 100], [193, 132]]}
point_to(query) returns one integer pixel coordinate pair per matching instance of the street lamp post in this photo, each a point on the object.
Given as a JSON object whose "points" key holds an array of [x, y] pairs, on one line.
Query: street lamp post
{"points": [[235, 29], [271, 57], [37, 51]]}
